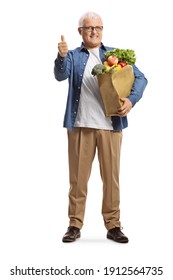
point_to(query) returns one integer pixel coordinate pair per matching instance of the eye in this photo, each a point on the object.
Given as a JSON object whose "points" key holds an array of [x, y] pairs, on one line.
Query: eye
{"points": [[92, 28]]}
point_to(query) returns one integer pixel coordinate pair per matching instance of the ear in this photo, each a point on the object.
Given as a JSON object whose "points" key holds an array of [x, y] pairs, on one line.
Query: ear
{"points": [[79, 30]]}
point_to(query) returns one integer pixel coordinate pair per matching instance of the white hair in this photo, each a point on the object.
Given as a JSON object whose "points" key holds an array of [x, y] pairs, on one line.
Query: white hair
{"points": [[90, 15]]}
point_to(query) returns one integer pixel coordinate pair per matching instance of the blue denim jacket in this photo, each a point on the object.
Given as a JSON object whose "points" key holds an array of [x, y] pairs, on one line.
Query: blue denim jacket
{"points": [[72, 67]]}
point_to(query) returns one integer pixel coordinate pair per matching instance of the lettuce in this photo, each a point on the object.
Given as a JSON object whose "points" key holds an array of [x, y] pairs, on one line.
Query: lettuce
{"points": [[125, 55]]}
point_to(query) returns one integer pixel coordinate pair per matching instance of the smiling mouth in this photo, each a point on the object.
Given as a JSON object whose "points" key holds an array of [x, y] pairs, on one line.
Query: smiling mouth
{"points": [[94, 36]]}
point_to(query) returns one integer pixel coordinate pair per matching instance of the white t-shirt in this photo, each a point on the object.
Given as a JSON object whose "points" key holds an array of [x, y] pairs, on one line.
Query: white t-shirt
{"points": [[91, 111]]}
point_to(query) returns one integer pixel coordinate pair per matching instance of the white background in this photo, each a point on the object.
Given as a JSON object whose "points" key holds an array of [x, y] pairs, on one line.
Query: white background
{"points": [[33, 144]]}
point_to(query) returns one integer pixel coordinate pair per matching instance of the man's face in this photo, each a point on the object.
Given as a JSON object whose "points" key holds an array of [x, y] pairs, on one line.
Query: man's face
{"points": [[91, 38]]}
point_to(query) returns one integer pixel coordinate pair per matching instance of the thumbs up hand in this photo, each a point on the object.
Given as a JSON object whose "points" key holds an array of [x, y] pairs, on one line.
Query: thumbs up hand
{"points": [[62, 47]]}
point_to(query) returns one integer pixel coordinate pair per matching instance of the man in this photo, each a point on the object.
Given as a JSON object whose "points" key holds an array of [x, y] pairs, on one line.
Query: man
{"points": [[89, 129]]}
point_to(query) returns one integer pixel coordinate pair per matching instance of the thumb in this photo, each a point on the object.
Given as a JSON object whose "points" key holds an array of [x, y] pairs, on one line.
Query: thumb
{"points": [[62, 38]]}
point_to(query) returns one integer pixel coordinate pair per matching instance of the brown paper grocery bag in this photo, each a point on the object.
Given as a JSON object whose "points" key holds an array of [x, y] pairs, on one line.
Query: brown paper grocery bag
{"points": [[114, 86]]}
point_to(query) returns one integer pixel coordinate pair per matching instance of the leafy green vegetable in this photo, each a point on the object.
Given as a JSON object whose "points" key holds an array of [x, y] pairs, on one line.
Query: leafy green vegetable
{"points": [[125, 55], [98, 69]]}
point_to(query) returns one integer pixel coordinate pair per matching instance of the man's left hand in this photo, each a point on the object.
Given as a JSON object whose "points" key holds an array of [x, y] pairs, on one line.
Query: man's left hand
{"points": [[125, 108]]}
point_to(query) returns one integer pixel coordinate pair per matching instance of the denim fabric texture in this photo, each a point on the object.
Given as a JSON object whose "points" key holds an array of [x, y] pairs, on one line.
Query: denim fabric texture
{"points": [[72, 68]]}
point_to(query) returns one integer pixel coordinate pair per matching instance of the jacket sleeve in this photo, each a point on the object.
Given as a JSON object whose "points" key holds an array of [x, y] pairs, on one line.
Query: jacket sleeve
{"points": [[138, 87], [62, 68]]}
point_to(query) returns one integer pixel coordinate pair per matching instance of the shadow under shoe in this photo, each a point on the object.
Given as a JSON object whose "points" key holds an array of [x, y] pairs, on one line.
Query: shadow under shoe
{"points": [[72, 234]]}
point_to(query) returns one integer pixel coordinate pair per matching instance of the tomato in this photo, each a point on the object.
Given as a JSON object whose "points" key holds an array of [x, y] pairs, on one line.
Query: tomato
{"points": [[112, 60], [122, 63]]}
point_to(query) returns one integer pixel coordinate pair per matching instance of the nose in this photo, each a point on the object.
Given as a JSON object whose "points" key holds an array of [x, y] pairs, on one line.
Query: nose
{"points": [[94, 29]]}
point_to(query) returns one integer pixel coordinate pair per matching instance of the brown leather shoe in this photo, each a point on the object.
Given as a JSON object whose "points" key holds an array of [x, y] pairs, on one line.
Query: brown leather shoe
{"points": [[116, 235], [71, 234]]}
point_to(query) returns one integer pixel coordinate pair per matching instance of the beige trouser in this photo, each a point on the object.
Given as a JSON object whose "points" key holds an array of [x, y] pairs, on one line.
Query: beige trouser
{"points": [[82, 144]]}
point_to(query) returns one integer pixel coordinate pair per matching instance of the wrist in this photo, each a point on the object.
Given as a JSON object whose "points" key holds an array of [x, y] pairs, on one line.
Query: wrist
{"points": [[61, 55]]}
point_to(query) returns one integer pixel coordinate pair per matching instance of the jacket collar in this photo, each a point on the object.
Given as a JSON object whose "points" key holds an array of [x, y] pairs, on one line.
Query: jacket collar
{"points": [[83, 48]]}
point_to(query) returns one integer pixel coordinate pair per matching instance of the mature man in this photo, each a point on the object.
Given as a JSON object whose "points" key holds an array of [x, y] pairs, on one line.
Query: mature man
{"points": [[89, 129]]}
